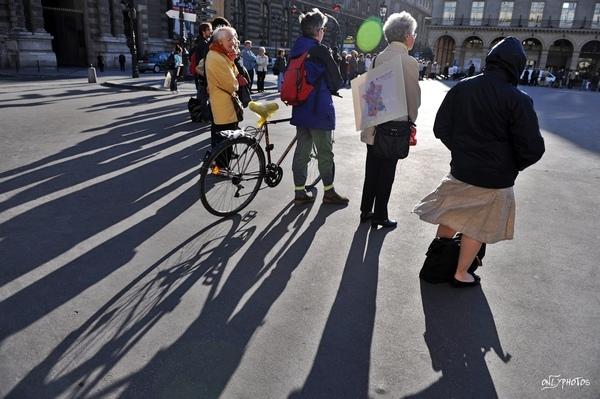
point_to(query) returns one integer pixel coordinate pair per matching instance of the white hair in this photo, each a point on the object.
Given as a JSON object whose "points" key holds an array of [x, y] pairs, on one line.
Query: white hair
{"points": [[219, 33], [398, 26]]}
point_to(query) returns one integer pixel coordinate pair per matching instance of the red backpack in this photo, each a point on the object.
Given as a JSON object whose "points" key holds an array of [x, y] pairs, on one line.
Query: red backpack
{"points": [[295, 88]]}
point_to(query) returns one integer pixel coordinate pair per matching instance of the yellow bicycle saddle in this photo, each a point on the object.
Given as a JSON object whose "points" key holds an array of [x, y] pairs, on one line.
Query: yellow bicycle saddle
{"points": [[264, 110]]}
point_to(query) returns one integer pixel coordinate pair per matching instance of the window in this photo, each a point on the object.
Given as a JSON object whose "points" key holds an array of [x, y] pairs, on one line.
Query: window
{"points": [[596, 18], [506, 10], [567, 15], [536, 13], [477, 12], [449, 12]]}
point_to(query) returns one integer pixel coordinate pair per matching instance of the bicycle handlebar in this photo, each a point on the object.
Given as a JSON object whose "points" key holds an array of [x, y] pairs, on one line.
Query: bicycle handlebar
{"points": [[274, 121]]}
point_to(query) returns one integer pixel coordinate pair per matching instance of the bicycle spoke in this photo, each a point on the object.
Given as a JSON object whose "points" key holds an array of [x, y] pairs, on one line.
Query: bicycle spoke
{"points": [[234, 179]]}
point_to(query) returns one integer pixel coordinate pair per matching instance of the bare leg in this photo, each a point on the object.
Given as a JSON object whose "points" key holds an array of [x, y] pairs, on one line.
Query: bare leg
{"points": [[468, 250], [444, 232]]}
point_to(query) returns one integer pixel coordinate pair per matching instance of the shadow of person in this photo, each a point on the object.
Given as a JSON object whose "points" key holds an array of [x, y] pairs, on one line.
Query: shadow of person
{"points": [[90, 352], [459, 331], [341, 366]]}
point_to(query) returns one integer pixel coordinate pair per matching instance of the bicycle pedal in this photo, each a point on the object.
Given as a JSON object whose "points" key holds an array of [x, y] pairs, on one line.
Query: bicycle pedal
{"points": [[270, 147]]}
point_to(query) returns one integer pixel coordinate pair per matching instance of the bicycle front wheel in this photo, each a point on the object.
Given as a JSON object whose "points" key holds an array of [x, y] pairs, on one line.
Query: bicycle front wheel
{"points": [[313, 176], [231, 176]]}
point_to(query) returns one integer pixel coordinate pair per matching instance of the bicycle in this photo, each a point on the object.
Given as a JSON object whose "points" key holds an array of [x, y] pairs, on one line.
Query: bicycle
{"points": [[232, 173]]}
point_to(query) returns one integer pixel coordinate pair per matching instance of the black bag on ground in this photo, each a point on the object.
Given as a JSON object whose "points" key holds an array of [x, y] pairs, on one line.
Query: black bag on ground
{"points": [[199, 109], [392, 139], [442, 258]]}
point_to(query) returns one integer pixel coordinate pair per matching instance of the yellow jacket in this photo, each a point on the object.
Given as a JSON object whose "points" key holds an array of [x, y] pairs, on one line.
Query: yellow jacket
{"points": [[222, 83]]}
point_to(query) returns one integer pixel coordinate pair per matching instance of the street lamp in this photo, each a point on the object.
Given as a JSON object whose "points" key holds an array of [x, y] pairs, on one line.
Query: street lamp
{"points": [[382, 11], [131, 41]]}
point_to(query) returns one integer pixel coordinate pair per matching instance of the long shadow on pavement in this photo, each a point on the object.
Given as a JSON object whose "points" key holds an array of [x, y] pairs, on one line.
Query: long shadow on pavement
{"points": [[459, 331], [341, 366], [203, 359], [41, 233], [89, 353]]}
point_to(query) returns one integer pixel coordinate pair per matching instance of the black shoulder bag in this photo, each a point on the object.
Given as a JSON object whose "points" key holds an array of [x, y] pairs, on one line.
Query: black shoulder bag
{"points": [[392, 139]]}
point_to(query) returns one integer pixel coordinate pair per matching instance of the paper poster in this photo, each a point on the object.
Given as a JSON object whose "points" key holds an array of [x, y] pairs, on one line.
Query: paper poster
{"points": [[379, 95]]}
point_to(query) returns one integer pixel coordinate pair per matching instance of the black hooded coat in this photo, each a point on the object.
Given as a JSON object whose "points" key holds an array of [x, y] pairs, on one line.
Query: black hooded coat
{"points": [[488, 124]]}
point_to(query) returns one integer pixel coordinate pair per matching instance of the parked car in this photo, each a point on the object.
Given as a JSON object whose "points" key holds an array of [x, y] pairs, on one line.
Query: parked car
{"points": [[546, 78], [154, 62]]}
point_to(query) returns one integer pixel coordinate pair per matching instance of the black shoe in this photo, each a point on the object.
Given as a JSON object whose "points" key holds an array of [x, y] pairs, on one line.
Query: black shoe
{"points": [[365, 217], [463, 284], [387, 223], [475, 276]]}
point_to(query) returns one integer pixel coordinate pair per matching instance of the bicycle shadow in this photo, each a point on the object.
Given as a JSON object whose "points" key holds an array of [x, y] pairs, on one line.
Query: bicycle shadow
{"points": [[201, 362], [459, 331], [88, 354], [341, 365]]}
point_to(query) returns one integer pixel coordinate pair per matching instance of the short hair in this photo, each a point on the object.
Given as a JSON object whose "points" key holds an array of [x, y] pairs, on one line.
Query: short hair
{"points": [[311, 22], [204, 26], [219, 33], [220, 21], [398, 26]]}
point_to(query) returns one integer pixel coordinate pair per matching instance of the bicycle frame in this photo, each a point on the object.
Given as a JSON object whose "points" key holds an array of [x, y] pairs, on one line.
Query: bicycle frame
{"points": [[269, 146]]}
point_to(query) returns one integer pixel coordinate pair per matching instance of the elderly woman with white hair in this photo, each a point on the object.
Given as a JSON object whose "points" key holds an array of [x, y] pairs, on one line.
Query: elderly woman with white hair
{"points": [[221, 74], [399, 31]]}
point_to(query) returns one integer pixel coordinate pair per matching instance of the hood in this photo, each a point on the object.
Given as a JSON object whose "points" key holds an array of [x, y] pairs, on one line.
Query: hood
{"points": [[507, 55], [302, 45]]}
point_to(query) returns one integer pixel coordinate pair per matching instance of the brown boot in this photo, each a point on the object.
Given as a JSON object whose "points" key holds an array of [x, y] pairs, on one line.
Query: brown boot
{"points": [[302, 197], [331, 197]]}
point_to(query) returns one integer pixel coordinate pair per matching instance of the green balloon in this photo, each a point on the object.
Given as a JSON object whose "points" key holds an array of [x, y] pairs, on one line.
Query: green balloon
{"points": [[369, 35]]}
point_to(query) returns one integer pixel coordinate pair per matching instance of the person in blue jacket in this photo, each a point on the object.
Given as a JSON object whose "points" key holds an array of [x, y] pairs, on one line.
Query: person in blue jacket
{"points": [[249, 61], [315, 118]]}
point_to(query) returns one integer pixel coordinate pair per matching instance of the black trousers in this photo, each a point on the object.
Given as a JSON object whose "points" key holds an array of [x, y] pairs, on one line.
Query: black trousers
{"points": [[260, 84], [379, 177]]}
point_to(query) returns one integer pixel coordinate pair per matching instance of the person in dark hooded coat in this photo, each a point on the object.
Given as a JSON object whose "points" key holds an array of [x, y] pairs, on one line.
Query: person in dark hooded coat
{"points": [[492, 132]]}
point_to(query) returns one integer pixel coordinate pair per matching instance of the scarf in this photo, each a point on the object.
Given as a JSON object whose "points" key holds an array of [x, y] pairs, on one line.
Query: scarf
{"points": [[218, 47]]}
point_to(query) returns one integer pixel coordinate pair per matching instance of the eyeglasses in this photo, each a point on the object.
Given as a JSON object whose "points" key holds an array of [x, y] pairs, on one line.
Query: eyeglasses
{"points": [[414, 35], [324, 29]]}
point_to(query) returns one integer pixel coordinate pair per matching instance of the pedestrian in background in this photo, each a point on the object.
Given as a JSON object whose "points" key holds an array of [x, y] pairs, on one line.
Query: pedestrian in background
{"points": [[200, 52], [353, 65], [368, 62], [262, 62], [122, 62], [344, 68], [492, 132], [175, 65], [472, 69], [315, 118], [361, 68], [399, 31], [249, 61], [221, 74], [279, 67], [100, 62]]}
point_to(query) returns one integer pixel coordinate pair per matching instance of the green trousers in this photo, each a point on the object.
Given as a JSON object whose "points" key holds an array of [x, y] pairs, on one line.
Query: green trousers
{"points": [[322, 140]]}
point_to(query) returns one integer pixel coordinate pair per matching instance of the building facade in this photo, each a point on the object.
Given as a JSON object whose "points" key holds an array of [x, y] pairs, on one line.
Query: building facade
{"points": [[556, 34], [50, 33]]}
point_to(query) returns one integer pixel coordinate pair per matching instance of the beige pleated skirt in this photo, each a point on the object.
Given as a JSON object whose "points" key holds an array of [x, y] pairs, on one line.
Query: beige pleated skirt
{"points": [[484, 214]]}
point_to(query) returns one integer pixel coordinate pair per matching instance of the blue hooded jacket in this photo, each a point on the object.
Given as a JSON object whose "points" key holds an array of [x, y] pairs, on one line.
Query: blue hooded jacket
{"points": [[321, 72]]}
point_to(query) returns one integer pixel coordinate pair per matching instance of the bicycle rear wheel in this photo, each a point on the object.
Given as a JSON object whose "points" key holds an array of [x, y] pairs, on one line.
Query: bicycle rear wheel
{"points": [[313, 176], [231, 176]]}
